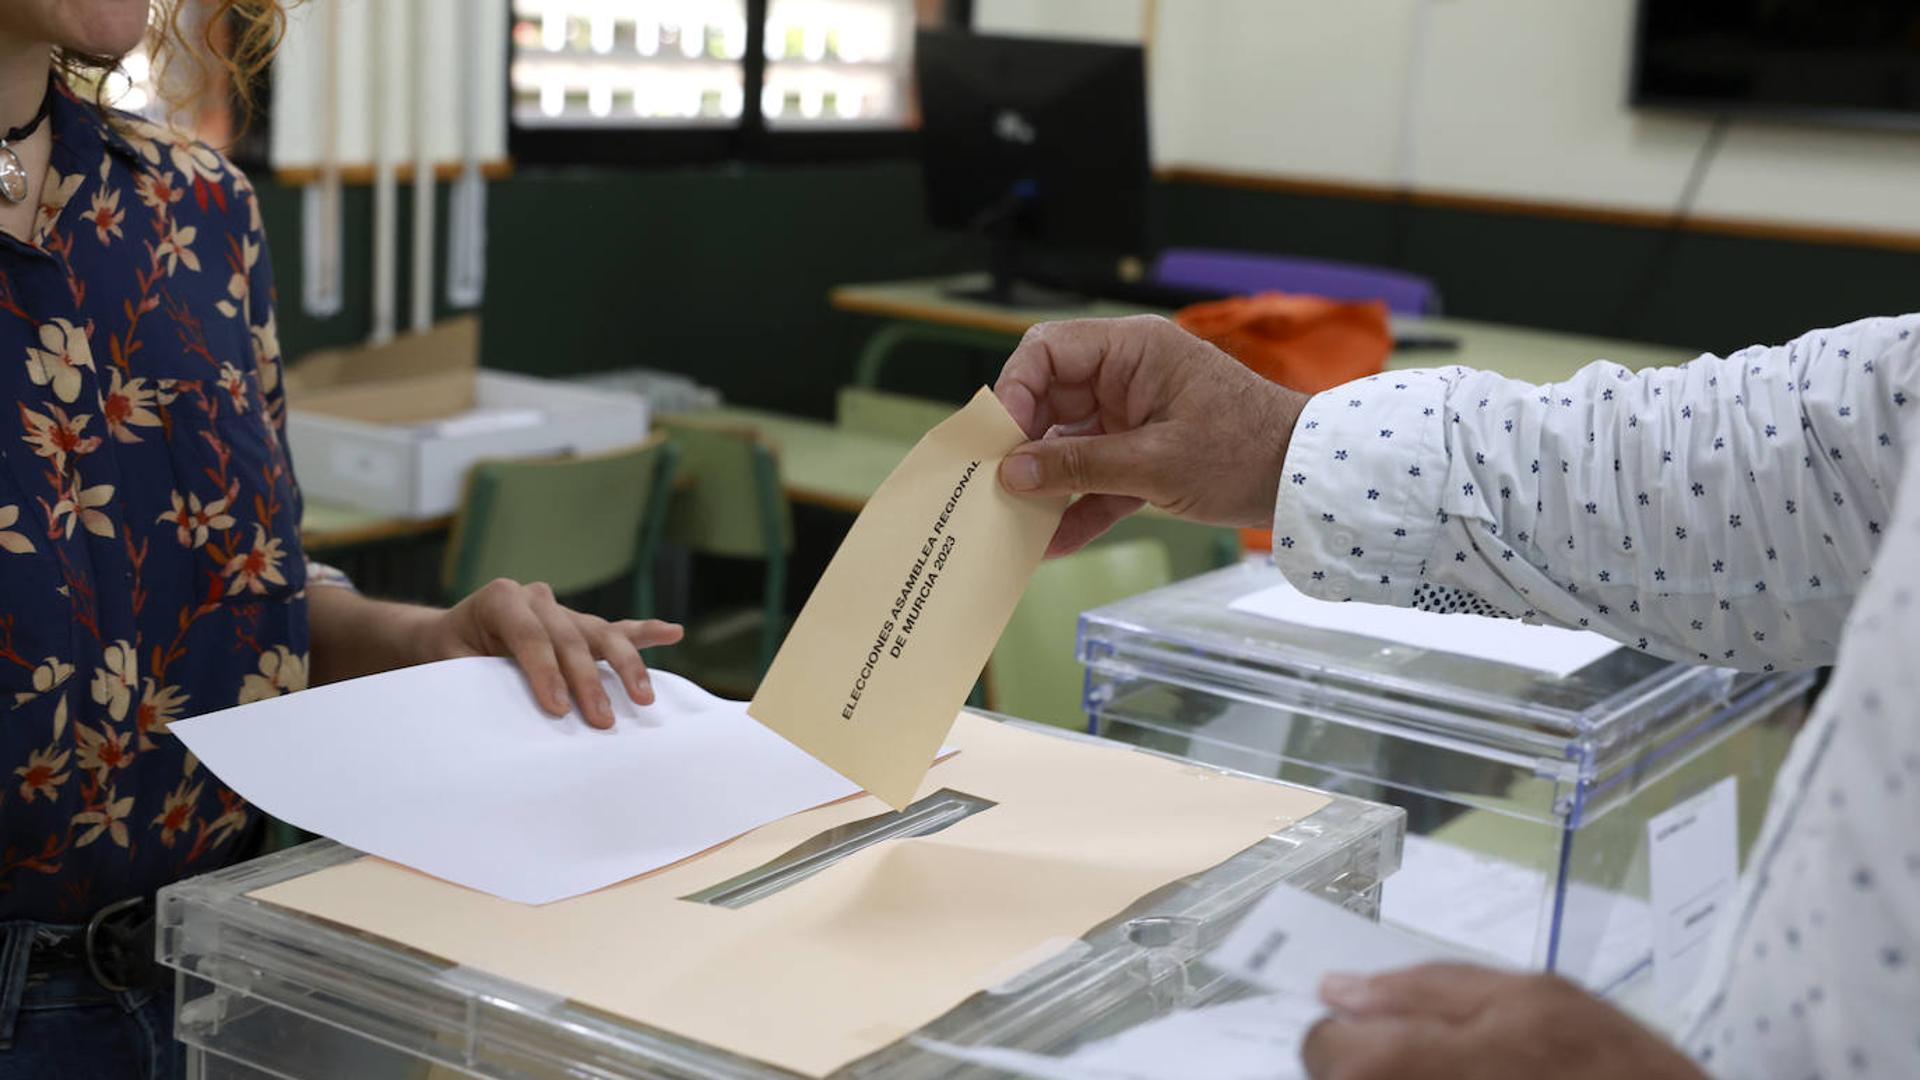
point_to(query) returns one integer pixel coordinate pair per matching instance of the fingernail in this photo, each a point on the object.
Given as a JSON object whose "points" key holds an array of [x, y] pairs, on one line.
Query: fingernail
{"points": [[1347, 992], [1021, 472]]}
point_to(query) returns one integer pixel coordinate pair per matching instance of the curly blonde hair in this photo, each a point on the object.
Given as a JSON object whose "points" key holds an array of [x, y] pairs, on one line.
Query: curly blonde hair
{"points": [[224, 43]]}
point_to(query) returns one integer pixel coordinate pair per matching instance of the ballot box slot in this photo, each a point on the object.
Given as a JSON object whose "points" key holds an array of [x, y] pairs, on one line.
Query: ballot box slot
{"points": [[940, 810]]}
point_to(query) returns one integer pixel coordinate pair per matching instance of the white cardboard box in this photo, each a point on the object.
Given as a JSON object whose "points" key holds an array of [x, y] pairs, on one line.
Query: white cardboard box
{"points": [[395, 428]]}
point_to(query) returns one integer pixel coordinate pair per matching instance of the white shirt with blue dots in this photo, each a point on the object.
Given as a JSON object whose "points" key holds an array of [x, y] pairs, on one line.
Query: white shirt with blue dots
{"points": [[1744, 511]]}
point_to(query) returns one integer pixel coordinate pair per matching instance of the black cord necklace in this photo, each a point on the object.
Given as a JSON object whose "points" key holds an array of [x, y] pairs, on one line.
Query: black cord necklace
{"points": [[13, 175]]}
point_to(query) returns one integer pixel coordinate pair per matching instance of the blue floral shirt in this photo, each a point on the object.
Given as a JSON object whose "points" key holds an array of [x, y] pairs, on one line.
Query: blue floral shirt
{"points": [[150, 561]]}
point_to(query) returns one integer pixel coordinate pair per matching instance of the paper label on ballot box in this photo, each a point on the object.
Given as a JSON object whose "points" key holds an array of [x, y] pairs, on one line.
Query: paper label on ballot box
{"points": [[888, 646], [1693, 871]]}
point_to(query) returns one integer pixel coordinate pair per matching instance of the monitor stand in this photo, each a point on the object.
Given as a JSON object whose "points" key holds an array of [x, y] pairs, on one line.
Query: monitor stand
{"points": [[1010, 292], [1005, 287]]}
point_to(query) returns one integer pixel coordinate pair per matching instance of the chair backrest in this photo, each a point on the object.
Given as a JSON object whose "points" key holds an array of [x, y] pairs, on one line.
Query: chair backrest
{"points": [[573, 522], [734, 506], [1242, 272], [866, 411], [1033, 673], [890, 338]]}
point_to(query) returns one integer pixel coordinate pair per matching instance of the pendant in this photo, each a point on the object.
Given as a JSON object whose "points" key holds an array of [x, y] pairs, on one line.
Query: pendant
{"points": [[13, 176]]}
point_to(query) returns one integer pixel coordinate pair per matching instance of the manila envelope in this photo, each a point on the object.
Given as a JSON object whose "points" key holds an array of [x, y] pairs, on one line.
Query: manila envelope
{"points": [[888, 646]]}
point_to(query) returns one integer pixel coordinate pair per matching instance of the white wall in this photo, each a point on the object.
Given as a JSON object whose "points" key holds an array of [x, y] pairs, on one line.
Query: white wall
{"points": [[1507, 98], [1097, 20]]}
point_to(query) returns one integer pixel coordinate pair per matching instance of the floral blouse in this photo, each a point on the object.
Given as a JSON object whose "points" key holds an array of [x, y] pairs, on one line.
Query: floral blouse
{"points": [[150, 561]]}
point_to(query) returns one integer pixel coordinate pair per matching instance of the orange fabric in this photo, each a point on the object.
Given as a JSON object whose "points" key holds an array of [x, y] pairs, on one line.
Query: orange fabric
{"points": [[1304, 343]]}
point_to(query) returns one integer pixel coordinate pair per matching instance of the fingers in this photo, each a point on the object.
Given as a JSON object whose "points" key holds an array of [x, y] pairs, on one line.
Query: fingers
{"points": [[647, 633], [1450, 992], [574, 655], [614, 646], [1064, 372], [1348, 1048], [1086, 519], [559, 650], [511, 621], [1122, 464]]}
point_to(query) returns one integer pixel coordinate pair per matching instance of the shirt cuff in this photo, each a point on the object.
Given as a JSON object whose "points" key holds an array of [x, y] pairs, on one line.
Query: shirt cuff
{"points": [[319, 573], [1358, 509]]}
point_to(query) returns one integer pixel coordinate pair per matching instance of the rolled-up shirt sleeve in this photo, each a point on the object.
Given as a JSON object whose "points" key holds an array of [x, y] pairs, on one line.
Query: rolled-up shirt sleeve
{"points": [[1723, 511], [319, 573]]}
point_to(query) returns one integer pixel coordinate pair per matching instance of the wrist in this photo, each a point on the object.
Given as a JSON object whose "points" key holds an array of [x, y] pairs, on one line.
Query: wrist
{"points": [[1284, 409], [420, 635]]}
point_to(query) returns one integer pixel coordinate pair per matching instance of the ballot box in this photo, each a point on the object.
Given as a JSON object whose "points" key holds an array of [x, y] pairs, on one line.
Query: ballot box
{"points": [[263, 991], [1531, 794]]}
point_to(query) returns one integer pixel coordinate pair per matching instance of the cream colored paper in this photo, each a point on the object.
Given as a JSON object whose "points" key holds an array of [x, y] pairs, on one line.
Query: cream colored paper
{"points": [[846, 962], [894, 635]]}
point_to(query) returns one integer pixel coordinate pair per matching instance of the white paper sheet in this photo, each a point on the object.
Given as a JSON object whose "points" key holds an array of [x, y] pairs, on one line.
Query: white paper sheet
{"points": [[1292, 939], [1252, 1039], [451, 769], [1693, 866], [1550, 649], [1495, 907]]}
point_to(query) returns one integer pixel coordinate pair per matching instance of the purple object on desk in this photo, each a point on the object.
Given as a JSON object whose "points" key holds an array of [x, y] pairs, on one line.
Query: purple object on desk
{"points": [[1241, 272]]}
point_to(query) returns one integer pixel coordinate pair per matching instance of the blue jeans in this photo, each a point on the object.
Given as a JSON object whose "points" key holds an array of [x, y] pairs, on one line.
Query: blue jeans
{"points": [[58, 1022]]}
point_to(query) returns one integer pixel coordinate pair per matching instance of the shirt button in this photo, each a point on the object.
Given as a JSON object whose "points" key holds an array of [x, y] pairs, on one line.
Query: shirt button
{"points": [[1343, 541]]}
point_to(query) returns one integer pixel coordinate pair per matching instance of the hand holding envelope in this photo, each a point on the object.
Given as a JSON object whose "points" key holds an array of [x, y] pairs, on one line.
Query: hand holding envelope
{"points": [[889, 644], [1152, 414]]}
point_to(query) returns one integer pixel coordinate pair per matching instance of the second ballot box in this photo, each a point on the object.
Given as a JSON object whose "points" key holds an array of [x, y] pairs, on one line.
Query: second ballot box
{"points": [[1529, 793]]}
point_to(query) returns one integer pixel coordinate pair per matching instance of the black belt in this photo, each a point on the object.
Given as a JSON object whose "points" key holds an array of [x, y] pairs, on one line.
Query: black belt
{"points": [[115, 947]]}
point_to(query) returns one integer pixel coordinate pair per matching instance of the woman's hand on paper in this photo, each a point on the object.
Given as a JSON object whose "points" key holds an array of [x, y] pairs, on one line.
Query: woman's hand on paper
{"points": [[557, 649], [1451, 1020], [1130, 411]]}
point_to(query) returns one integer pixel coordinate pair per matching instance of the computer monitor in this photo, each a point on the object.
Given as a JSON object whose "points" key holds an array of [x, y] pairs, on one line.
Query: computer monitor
{"points": [[1034, 141]]}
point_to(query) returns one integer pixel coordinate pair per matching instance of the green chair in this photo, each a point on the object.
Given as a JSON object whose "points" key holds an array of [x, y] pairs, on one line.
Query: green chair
{"points": [[572, 522], [1192, 548], [865, 411], [884, 341], [1033, 672], [735, 508]]}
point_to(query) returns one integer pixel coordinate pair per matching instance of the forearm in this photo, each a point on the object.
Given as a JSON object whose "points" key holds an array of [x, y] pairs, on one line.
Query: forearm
{"points": [[1720, 511], [352, 635]]}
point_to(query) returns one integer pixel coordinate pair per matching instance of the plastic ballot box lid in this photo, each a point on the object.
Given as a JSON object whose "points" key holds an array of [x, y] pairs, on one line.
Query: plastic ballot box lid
{"points": [[1577, 726], [265, 990]]}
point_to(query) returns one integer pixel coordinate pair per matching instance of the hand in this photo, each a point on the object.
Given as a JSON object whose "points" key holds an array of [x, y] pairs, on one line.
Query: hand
{"points": [[1456, 1020], [556, 648], [1127, 411]]}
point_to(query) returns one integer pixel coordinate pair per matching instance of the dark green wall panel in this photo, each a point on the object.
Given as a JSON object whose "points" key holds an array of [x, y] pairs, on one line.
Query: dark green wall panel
{"points": [[1711, 291], [718, 273], [722, 273]]}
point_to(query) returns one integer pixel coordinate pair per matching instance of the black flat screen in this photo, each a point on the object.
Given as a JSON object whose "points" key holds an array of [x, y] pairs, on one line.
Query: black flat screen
{"points": [[1844, 61]]}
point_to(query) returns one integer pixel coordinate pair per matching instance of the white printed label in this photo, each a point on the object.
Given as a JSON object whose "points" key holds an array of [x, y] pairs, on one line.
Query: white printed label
{"points": [[1292, 938], [1693, 863]]}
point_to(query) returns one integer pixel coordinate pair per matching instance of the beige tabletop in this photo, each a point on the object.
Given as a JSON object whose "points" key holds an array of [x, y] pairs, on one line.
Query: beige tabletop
{"points": [[1514, 351], [820, 465], [326, 525]]}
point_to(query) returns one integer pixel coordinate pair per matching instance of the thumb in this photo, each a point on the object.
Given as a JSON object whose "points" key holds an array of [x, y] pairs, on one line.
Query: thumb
{"points": [[1082, 465]]}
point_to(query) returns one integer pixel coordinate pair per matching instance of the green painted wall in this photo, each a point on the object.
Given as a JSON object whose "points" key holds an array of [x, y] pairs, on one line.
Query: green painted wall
{"points": [[722, 272]]}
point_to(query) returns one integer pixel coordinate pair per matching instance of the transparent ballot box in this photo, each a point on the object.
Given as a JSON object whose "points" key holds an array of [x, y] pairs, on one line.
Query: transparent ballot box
{"points": [[264, 991], [1527, 794]]}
